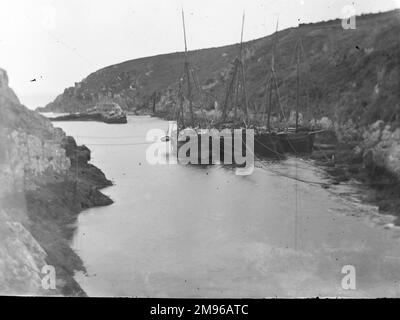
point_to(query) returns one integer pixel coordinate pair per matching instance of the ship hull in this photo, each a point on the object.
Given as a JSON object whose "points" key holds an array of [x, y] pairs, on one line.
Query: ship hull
{"points": [[297, 143], [211, 155], [268, 145]]}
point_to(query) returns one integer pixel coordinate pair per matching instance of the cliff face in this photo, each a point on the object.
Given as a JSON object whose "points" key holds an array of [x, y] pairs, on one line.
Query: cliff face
{"points": [[40, 194]]}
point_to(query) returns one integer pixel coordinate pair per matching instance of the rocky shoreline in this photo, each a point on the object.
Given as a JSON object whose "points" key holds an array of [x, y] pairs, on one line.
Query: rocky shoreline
{"points": [[47, 181], [354, 161], [54, 205], [51, 208]]}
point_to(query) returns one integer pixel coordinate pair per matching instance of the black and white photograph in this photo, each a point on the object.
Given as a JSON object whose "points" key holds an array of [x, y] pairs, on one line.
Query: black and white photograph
{"points": [[182, 149]]}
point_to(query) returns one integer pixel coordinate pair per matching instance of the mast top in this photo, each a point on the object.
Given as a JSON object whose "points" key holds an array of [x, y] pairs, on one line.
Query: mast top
{"points": [[274, 46], [241, 35], [184, 32]]}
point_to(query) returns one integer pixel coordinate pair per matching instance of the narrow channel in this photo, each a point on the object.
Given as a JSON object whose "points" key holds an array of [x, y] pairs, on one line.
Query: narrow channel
{"points": [[190, 231]]}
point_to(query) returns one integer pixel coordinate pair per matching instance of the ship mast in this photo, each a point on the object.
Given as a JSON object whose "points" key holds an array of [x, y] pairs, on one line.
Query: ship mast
{"points": [[238, 80], [241, 36], [297, 85], [272, 78], [299, 53], [187, 72], [246, 106]]}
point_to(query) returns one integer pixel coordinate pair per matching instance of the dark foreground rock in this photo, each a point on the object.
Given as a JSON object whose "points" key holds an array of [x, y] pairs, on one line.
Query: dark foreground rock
{"points": [[46, 180], [53, 207]]}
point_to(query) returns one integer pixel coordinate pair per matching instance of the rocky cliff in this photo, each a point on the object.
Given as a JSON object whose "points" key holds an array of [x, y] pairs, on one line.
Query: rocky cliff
{"points": [[46, 180]]}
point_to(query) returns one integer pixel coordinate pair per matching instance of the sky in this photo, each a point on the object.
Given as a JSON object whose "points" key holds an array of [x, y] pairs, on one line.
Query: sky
{"points": [[60, 42]]}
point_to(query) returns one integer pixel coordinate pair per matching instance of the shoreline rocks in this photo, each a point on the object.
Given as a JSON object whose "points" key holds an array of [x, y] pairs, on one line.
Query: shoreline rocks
{"points": [[47, 181], [370, 155], [381, 147], [110, 113]]}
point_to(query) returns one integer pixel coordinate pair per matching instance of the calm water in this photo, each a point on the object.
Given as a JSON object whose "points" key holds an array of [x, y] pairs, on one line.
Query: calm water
{"points": [[186, 231]]}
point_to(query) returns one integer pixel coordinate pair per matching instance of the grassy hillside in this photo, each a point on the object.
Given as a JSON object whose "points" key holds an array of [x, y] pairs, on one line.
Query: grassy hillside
{"points": [[345, 74]]}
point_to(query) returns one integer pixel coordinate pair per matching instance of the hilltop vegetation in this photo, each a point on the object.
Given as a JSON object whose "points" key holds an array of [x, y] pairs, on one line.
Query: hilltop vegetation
{"points": [[345, 74]]}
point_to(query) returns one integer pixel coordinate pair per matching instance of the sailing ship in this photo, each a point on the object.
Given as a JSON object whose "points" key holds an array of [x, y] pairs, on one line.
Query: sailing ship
{"points": [[268, 142], [297, 140], [188, 128]]}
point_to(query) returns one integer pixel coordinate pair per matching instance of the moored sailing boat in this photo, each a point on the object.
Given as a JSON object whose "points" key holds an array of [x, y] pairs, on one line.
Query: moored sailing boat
{"points": [[210, 149], [299, 139], [266, 144], [266, 141]]}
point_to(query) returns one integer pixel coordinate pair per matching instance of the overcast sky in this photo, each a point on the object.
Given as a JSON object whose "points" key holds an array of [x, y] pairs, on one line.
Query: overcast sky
{"points": [[59, 42]]}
